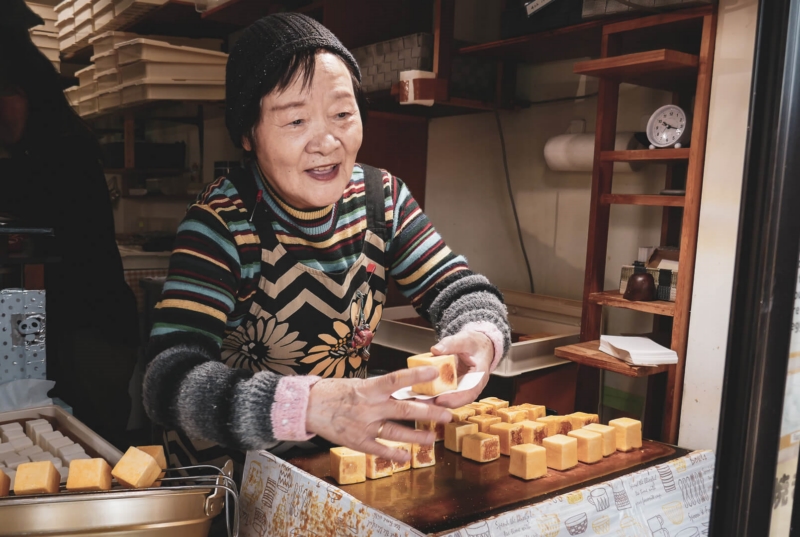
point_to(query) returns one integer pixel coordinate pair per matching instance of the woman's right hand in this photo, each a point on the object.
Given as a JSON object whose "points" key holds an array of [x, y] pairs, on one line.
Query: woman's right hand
{"points": [[350, 412]]}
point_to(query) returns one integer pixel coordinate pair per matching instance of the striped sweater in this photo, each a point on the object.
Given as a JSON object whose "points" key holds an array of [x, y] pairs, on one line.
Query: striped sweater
{"points": [[214, 273]]}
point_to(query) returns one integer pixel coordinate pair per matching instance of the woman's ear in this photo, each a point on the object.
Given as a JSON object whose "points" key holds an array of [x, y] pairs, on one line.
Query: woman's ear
{"points": [[246, 143]]}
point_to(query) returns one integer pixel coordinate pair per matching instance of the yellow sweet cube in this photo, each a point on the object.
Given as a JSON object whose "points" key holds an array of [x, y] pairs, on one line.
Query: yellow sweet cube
{"points": [[462, 413], [405, 446], [534, 411], [495, 402], [510, 435], [582, 419], [562, 452], [5, 484], [378, 467], [89, 475], [455, 432], [436, 427], [423, 455], [481, 408], [484, 421], [481, 447], [528, 461], [37, 478], [157, 452], [609, 435], [590, 445], [629, 433], [533, 432], [348, 466], [556, 424], [136, 469], [447, 379], [512, 414]]}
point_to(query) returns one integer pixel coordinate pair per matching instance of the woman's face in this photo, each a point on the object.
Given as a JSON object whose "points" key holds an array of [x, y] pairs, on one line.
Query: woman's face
{"points": [[306, 140]]}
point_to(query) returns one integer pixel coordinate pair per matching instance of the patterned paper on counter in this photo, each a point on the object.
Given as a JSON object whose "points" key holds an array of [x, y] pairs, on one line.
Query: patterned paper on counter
{"points": [[668, 500], [280, 499]]}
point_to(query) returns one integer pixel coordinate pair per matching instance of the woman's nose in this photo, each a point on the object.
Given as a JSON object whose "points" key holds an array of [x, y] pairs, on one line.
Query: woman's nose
{"points": [[323, 140]]}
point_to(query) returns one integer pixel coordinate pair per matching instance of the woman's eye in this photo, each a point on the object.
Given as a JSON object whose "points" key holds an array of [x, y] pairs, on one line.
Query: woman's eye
{"points": [[297, 122], [343, 115]]}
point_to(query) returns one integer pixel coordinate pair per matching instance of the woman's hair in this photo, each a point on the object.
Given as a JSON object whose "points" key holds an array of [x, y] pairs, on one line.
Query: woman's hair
{"points": [[50, 116], [302, 65]]}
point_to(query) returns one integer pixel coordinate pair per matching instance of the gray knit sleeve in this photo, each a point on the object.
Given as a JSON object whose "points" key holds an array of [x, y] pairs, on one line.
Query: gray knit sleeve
{"points": [[467, 298], [187, 387]]}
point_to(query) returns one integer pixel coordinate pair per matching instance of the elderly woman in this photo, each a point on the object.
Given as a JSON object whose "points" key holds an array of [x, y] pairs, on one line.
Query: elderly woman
{"points": [[279, 272]]}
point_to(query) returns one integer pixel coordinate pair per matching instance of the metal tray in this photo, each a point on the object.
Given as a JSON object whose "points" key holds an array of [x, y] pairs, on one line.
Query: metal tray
{"points": [[68, 425], [181, 507], [557, 321]]}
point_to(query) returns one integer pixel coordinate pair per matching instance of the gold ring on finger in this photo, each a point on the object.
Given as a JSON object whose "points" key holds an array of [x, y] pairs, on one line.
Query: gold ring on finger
{"points": [[380, 429]]}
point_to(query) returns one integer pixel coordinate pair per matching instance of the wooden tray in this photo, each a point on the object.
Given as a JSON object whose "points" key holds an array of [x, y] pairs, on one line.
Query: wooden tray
{"points": [[457, 491]]}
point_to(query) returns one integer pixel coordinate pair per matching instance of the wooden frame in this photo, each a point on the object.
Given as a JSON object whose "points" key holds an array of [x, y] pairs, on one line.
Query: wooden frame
{"points": [[613, 68]]}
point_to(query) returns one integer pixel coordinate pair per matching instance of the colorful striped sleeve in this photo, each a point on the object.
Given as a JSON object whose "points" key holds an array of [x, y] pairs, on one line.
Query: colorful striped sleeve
{"points": [[212, 269], [438, 282]]}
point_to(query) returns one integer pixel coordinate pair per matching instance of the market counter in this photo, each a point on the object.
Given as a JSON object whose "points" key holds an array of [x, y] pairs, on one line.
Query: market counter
{"points": [[657, 488]]}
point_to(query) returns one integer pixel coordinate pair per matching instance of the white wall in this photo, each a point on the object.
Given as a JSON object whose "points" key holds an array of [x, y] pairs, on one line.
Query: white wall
{"points": [[467, 198], [719, 219]]}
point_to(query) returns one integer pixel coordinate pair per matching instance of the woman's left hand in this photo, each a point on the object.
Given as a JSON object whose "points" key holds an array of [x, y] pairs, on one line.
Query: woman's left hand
{"points": [[475, 352]]}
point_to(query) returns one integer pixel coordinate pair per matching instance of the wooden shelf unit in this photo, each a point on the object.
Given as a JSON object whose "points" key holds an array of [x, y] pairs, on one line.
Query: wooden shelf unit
{"points": [[643, 199], [660, 69], [614, 299], [687, 73], [588, 354], [646, 155]]}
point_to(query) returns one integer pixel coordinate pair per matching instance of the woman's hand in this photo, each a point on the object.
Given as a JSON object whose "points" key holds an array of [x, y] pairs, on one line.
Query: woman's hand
{"points": [[350, 412], [475, 352]]}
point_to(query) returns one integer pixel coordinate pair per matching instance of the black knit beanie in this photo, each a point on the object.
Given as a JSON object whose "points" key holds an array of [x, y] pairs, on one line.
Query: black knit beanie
{"points": [[261, 48]]}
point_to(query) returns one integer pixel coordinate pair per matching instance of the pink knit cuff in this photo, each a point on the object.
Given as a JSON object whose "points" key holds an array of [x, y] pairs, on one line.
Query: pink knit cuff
{"points": [[493, 333], [290, 406]]}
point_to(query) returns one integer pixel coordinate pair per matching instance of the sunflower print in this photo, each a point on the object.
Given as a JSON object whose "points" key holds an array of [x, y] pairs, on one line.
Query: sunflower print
{"points": [[335, 354], [263, 344]]}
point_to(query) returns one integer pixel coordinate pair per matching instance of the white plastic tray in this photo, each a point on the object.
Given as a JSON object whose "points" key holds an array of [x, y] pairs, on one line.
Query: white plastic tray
{"points": [[52, 54], [67, 40], [528, 314], [64, 10], [105, 42], [107, 80], [46, 12], [73, 95], [159, 51], [66, 22], [84, 30], [141, 70], [105, 61], [77, 5], [87, 90], [44, 39], [111, 98], [83, 15], [172, 90], [86, 75], [88, 106], [102, 18]]}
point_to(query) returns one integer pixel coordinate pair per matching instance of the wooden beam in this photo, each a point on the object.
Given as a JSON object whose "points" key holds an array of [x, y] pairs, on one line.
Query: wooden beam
{"points": [[691, 217], [443, 26]]}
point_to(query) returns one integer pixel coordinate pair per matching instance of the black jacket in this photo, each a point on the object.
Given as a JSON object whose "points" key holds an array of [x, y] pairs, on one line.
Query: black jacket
{"points": [[61, 185]]}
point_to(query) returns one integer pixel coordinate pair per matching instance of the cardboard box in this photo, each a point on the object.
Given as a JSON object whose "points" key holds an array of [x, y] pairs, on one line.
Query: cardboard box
{"points": [[278, 498]]}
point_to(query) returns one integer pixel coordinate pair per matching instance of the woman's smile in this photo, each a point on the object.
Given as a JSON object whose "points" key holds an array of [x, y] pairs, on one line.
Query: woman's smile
{"points": [[324, 173]]}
